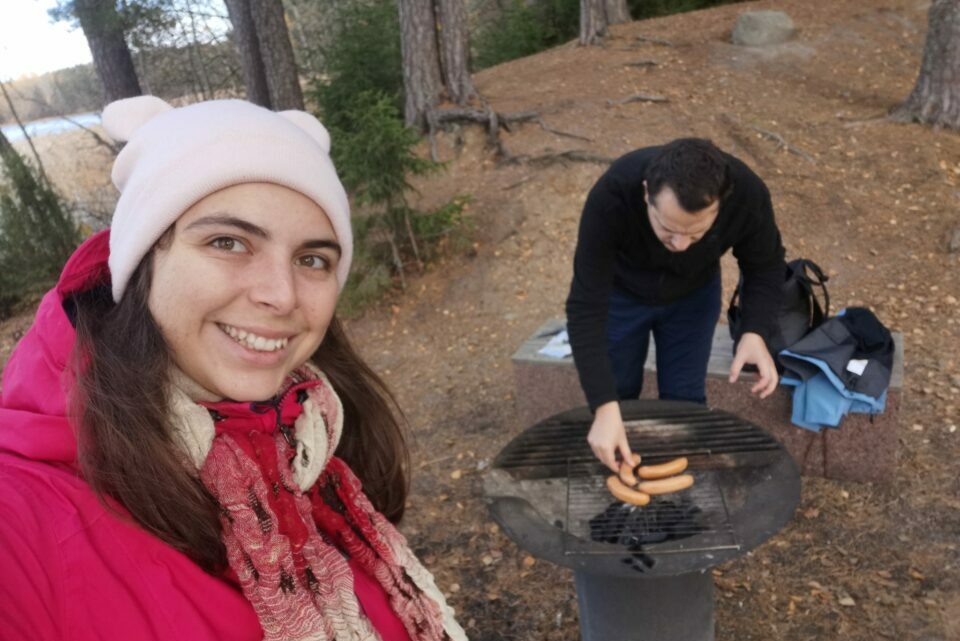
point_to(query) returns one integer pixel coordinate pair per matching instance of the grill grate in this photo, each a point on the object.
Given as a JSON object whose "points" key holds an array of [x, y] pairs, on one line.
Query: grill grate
{"points": [[544, 452], [694, 520]]}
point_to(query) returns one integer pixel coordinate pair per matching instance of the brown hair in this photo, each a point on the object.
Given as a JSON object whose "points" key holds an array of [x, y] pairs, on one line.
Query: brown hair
{"points": [[125, 445], [694, 168]]}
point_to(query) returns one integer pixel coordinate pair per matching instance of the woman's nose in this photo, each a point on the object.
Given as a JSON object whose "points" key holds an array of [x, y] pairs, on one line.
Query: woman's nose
{"points": [[273, 285]]}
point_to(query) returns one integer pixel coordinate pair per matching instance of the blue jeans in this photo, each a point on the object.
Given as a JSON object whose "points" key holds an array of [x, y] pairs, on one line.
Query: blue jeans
{"points": [[683, 332]]}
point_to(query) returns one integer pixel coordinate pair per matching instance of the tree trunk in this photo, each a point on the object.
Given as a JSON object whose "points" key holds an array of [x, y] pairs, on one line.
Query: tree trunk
{"points": [[617, 11], [111, 57], [196, 58], [435, 46], [593, 21], [245, 40], [283, 78], [422, 76], [936, 96], [144, 71], [455, 50]]}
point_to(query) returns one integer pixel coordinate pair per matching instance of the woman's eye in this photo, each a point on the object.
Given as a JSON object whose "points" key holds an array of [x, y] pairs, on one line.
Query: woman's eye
{"points": [[227, 244], [314, 261]]}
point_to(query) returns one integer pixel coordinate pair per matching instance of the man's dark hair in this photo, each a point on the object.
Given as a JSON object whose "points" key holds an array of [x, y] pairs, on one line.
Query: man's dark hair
{"points": [[694, 169]]}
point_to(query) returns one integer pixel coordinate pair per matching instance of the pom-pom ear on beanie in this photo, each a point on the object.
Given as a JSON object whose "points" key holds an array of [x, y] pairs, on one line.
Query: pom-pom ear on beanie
{"points": [[310, 125], [174, 157], [123, 117]]}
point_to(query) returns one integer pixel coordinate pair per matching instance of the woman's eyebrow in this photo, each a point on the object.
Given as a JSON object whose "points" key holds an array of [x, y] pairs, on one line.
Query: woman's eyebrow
{"points": [[255, 230], [321, 243], [230, 221]]}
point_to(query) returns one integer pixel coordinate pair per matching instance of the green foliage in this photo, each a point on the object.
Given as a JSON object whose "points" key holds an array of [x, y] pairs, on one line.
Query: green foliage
{"points": [[445, 228], [365, 57], [374, 150], [37, 234], [377, 234], [525, 28], [371, 273]]}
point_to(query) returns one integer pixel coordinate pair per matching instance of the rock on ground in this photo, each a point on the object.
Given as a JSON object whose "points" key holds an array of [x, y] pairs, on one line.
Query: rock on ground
{"points": [[759, 28]]}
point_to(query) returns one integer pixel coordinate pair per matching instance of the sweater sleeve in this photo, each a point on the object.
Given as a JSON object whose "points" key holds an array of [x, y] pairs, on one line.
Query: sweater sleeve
{"points": [[29, 602], [594, 265], [760, 255]]}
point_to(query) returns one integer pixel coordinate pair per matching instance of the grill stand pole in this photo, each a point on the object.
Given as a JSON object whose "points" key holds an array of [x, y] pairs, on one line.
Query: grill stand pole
{"points": [[674, 608]]}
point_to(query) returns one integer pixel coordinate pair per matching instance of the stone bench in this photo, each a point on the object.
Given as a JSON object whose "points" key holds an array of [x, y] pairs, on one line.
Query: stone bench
{"points": [[863, 448]]}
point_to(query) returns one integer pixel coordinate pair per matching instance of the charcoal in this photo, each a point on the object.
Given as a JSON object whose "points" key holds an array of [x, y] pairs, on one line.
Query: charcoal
{"points": [[659, 521]]}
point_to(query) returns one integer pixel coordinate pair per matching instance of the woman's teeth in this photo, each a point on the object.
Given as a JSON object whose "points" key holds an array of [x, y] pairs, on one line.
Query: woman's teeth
{"points": [[254, 342]]}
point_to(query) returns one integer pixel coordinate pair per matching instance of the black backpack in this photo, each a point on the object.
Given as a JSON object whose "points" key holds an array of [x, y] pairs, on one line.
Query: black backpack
{"points": [[800, 313]]}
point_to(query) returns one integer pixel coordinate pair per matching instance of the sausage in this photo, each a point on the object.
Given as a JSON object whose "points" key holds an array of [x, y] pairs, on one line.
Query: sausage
{"points": [[623, 493], [626, 474], [666, 486], [663, 470]]}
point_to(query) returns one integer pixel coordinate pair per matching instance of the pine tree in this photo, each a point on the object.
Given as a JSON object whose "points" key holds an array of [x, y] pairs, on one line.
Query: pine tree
{"points": [[37, 234]]}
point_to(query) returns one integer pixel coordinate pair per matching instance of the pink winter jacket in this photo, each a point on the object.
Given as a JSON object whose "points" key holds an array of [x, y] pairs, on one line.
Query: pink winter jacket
{"points": [[70, 568]]}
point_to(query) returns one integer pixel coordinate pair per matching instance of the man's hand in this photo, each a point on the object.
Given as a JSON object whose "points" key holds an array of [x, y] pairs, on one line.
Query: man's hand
{"points": [[752, 349], [607, 435]]}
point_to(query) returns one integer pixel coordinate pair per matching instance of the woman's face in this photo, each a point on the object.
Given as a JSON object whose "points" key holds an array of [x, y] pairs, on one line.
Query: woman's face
{"points": [[246, 288]]}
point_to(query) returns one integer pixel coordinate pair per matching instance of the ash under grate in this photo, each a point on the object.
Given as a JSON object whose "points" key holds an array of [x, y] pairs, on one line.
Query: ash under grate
{"points": [[695, 520]]}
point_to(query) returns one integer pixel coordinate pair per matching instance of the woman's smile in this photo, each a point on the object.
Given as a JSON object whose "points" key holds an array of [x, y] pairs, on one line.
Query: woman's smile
{"points": [[255, 341]]}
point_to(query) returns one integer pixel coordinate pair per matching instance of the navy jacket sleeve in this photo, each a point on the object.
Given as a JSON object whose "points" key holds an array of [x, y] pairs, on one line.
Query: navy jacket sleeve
{"points": [[594, 266], [760, 255]]}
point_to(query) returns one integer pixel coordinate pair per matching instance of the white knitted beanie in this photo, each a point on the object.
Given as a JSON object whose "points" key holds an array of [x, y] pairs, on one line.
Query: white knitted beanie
{"points": [[175, 157]]}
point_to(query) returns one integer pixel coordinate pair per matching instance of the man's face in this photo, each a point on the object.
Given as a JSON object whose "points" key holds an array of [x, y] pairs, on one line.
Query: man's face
{"points": [[675, 227]]}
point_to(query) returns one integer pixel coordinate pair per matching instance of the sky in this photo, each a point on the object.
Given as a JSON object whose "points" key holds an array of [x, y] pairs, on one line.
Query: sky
{"points": [[30, 44]]}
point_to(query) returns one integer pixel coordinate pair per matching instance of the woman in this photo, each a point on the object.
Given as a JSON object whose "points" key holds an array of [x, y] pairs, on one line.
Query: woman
{"points": [[168, 425]]}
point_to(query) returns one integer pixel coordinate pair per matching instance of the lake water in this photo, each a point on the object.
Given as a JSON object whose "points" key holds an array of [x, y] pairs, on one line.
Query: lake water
{"points": [[49, 126]]}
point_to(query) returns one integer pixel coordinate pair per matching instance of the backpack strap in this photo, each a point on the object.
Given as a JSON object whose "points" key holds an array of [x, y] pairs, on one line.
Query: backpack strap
{"points": [[820, 279]]}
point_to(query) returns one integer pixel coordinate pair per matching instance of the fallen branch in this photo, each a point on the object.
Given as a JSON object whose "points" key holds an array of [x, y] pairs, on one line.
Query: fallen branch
{"points": [[640, 97], [783, 144], [563, 157], [523, 180], [873, 121], [436, 460], [494, 119], [641, 63]]}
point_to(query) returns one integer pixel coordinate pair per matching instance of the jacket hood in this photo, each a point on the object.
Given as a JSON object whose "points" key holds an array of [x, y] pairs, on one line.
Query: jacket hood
{"points": [[34, 403]]}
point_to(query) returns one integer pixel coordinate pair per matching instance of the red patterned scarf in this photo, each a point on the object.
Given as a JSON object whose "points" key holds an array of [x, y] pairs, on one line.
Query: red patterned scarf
{"points": [[288, 544]]}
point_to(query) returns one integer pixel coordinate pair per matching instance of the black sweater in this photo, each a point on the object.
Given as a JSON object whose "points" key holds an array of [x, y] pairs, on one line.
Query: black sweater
{"points": [[616, 247]]}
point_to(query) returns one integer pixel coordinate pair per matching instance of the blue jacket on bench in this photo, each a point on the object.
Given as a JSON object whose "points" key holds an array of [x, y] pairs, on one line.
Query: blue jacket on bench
{"points": [[842, 366]]}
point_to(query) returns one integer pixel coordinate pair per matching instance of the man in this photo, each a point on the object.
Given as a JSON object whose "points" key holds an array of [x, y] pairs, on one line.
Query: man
{"points": [[648, 260]]}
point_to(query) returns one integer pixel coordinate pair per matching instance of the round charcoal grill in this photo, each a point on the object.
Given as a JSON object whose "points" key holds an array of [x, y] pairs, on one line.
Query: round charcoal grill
{"points": [[642, 572]]}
